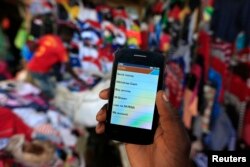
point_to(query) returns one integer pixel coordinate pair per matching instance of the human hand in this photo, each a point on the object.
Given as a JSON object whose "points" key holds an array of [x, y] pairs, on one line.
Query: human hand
{"points": [[171, 145]]}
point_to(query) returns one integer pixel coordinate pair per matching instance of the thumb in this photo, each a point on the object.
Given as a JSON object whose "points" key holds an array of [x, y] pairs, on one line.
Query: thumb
{"points": [[168, 118]]}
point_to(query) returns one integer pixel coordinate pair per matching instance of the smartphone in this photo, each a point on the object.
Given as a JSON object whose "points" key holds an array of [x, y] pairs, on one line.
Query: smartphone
{"points": [[132, 115]]}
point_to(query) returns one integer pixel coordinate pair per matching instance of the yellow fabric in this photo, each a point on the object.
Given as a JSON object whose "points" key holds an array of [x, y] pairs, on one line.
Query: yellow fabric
{"points": [[183, 13], [132, 41], [66, 6], [73, 11], [135, 28]]}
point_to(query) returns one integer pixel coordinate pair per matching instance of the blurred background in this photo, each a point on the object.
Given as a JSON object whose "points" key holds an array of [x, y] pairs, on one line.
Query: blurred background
{"points": [[56, 55]]}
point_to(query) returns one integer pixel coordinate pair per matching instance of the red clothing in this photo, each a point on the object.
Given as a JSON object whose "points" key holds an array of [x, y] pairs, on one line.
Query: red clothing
{"points": [[173, 82], [134, 34], [50, 52], [144, 37], [4, 70], [239, 88], [10, 124], [119, 13], [158, 7], [174, 13], [164, 42], [246, 127]]}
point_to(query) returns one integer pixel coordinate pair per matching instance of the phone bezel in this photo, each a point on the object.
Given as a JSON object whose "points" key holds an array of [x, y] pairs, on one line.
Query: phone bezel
{"points": [[125, 133]]}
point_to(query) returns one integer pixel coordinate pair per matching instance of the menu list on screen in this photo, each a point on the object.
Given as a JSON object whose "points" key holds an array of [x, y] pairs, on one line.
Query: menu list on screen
{"points": [[134, 95]]}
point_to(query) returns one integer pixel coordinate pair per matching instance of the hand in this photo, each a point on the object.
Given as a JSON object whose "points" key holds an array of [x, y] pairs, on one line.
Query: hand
{"points": [[171, 145]]}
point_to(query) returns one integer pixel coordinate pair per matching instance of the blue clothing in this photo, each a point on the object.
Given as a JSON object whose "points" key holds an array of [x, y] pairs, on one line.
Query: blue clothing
{"points": [[216, 81], [225, 21], [44, 82], [230, 18], [223, 135], [26, 53]]}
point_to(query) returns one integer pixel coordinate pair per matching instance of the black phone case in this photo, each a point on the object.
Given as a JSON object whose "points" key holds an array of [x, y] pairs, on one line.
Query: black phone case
{"points": [[124, 133]]}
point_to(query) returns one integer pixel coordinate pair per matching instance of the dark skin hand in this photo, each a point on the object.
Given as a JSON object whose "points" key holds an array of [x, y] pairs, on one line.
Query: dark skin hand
{"points": [[171, 145], [75, 76]]}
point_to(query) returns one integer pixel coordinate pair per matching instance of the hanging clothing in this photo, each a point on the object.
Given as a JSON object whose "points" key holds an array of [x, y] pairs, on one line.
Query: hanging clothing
{"points": [[246, 127], [4, 45], [204, 46], [223, 134], [216, 81], [209, 95], [245, 19], [226, 25], [174, 82]]}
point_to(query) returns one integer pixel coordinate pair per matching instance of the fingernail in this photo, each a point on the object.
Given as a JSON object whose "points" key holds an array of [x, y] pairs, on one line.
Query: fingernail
{"points": [[165, 98], [104, 90]]}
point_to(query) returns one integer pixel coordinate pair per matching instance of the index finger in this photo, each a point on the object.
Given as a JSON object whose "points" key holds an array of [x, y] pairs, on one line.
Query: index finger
{"points": [[167, 116]]}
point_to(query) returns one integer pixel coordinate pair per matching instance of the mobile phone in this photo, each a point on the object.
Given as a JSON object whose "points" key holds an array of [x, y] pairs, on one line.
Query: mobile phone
{"points": [[132, 115]]}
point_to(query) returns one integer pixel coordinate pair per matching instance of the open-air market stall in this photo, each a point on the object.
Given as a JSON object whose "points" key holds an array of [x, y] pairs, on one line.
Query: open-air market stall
{"points": [[205, 42]]}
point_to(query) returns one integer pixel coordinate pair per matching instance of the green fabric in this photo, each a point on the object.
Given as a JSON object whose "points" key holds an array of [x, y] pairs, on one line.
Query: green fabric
{"points": [[21, 38], [108, 39], [209, 10], [3, 45], [164, 20]]}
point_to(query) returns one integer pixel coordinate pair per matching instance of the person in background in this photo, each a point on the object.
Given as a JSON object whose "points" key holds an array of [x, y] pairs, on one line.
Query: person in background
{"points": [[50, 55], [171, 147]]}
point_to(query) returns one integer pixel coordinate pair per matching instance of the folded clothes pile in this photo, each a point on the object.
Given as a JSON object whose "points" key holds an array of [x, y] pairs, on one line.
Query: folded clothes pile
{"points": [[33, 132]]}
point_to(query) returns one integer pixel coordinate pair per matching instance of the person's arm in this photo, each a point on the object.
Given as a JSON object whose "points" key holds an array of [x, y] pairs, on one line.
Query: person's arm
{"points": [[73, 74], [64, 57]]}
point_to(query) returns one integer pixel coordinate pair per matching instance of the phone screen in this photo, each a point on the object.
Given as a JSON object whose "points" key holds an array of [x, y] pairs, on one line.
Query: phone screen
{"points": [[135, 95]]}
